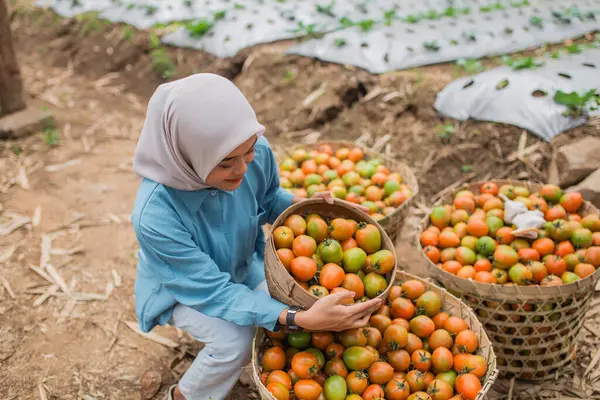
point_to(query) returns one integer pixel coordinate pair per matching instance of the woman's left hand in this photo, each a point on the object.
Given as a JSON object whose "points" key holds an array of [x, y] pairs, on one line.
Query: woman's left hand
{"points": [[329, 198]]}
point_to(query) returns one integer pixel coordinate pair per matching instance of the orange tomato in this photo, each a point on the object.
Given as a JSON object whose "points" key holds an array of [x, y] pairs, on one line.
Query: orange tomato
{"points": [[304, 245], [429, 238], [432, 253], [477, 227], [439, 319], [403, 308], [303, 268], [571, 201], [468, 385], [466, 272], [355, 155], [455, 325], [485, 277], [543, 246], [421, 360], [467, 341], [449, 239], [353, 283], [413, 289], [280, 376], [564, 248], [307, 389], [305, 364], [273, 359], [482, 265], [331, 276], [583, 269], [286, 256]]}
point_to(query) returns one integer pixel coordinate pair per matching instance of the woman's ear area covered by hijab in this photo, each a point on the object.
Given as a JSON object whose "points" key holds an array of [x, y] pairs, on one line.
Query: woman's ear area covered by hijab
{"points": [[192, 124]]}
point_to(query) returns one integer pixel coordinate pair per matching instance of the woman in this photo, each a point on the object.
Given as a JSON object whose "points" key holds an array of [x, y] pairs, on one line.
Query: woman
{"points": [[210, 182]]}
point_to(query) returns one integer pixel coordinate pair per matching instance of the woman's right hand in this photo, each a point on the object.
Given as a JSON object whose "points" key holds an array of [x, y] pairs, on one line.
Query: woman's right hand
{"points": [[328, 314]]}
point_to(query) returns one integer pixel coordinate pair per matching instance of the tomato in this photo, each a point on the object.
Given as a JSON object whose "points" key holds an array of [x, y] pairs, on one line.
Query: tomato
{"points": [[413, 289], [354, 259], [373, 392], [307, 389], [422, 326], [281, 335], [286, 256], [489, 187], [439, 319], [592, 256], [303, 268], [273, 359], [494, 224], [335, 366], [317, 229], [485, 277], [583, 269], [528, 255], [465, 256], [380, 372], [381, 262], [432, 253], [571, 201], [476, 365], [278, 390], [318, 291], [464, 203], [368, 238], [555, 265], [349, 244], [330, 251], [331, 276], [357, 382], [460, 229], [305, 364], [543, 246], [440, 338], [283, 237], [353, 337], [449, 239], [421, 360], [320, 356], [397, 389], [414, 342], [358, 358], [397, 198], [458, 216], [485, 246], [555, 213], [493, 203], [452, 266], [440, 390], [551, 280], [334, 350], [582, 238], [442, 359], [430, 302], [521, 274], [374, 337], [380, 322], [353, 283], [304, 245], [340, 229], [355, 154], [440, 216], [416, 380], [467, 341], [505, 257], [468, 385], [504, 235], [403, 308], [399, 360], [321, 340], [395, 292], [296, 223], [419, 396], [335, 388], [551, 193], [299, 340], [280, 377], [454, 325], [375, 284]]}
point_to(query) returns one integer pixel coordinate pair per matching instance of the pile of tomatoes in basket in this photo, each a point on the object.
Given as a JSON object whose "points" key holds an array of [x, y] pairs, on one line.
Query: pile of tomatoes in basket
{"points": [[470, 239], [347, 175], [329, 256], [410, 350]]}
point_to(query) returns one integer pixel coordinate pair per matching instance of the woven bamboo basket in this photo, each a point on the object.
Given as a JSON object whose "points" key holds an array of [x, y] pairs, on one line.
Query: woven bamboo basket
{"points": [[451, 304], [533, 328], [391, 223], [282, 286]]}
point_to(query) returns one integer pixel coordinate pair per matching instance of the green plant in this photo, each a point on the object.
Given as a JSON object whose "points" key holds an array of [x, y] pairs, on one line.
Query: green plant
{"points": [[310, 30], [89, 22], [289, 75], [198, 29], [469, 65], [536, 21], [432, 45], [127, 33], [575, 102], [150, 10], [518, 4], [162, 63], [340, 42], [16, 149], [153, 41], [522, 63], [239, 6], [412, 19], [346, 22], [389, 16], [326, 9], [50, 134], [219, 15], [466, 168], [188, 3], [445, 131], [366, 25], [573, 48], [432, 14]]}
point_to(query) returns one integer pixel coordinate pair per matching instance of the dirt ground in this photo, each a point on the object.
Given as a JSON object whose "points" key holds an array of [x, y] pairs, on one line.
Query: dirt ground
{"points": [[71, 188]]}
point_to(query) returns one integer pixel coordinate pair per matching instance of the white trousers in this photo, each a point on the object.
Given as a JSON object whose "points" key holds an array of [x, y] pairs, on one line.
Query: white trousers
{"points": [[218, 366]]}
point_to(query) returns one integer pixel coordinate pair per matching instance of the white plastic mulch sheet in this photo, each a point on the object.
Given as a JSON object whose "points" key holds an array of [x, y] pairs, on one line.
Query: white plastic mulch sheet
{"points": [[378, 35], [525, 97], [472, 32]]}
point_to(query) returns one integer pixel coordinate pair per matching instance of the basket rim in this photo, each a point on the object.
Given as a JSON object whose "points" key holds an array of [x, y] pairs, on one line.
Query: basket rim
{"points": [[413, 181], [297, 209], [488, 380], [490, 289]]}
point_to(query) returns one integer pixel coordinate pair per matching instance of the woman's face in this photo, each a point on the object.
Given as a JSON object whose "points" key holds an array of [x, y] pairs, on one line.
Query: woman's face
{"points": [[229, 173]]}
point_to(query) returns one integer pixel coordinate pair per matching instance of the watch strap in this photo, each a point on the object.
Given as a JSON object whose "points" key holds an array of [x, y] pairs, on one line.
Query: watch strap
{"points": [[290, 318]]}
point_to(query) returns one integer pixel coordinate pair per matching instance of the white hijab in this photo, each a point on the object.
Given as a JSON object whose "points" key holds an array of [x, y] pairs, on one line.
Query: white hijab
{"points": [[191, 125]]}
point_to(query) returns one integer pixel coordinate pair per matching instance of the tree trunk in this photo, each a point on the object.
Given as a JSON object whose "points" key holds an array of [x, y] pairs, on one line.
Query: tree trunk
{"points": [[11, 86]]}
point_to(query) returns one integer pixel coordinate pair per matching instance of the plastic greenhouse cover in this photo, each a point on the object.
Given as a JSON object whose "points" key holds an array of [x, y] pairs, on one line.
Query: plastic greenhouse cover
{"points": [[524, 97]]}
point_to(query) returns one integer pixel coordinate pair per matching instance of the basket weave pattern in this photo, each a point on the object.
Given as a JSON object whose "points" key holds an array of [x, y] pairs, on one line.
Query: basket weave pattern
{"points": [[451, 304], [533, 328], [391, 223], [282, 285]]}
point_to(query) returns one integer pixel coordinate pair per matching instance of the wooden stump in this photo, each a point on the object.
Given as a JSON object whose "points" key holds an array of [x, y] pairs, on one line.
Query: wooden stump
{"points": [[11, 86]]}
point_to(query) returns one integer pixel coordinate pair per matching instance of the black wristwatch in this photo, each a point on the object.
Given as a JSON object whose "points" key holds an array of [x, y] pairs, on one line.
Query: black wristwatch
{"points": [[290, 320]]}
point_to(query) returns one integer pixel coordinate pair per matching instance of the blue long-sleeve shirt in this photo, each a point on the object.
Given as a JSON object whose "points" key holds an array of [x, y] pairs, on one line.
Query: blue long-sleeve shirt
{"points": [[204, 249]]}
